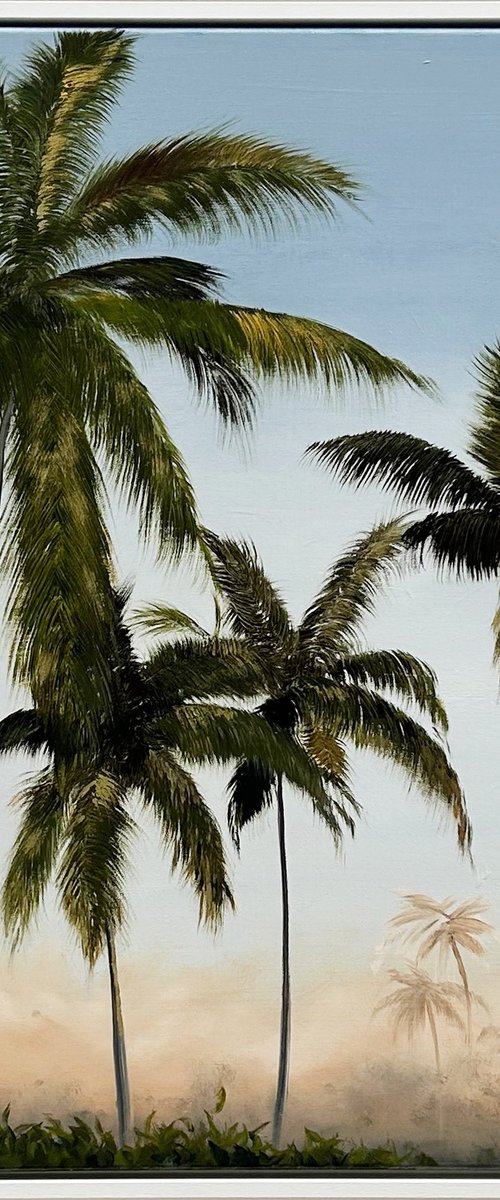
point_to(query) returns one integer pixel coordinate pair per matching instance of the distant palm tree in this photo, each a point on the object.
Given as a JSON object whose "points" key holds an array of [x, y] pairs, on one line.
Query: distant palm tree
{"points": [[70, 399], [439, 926], [419, 1001], [75, 815], [321, 688]]}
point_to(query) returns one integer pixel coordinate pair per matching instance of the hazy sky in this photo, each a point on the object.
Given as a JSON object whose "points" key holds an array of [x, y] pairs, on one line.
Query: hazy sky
{"points": [[414, 114]]}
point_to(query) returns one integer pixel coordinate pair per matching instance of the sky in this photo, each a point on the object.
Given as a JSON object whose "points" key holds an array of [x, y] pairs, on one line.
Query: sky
{"points": [[414, 115]]}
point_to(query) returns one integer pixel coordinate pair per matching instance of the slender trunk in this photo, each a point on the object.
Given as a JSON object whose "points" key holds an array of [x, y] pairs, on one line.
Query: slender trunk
{"points": [[4, 433], [284, 1058], [432, 1024], [468, 1000], [119, 1051]]}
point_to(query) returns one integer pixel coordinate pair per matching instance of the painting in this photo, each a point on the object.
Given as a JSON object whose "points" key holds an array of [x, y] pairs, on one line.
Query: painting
{"points": [[250, 545]]}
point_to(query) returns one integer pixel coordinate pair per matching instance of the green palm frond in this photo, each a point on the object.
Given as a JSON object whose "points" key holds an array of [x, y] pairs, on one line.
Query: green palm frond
{"points": [[59, 104], [251, 790], [211, 733], [125, 424], [399, 672], [22, 731], [91, 873], [330, 754], [255, 609], [204, 184], [162, 619], [465, 541], [415, 470], [351, 589], [190, 832], [268, 345], [372, 722], [196, 668], [158, 278], [33, 855], [58, 558], [484, 443]]}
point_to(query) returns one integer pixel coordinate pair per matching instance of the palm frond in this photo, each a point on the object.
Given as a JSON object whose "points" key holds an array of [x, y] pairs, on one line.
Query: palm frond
{"points": [[268, 345], [91, 874], [484, 444], [125, 426], [255, 609], [372, 722], [204, 184], [351, 588], [398, 672], [465, 541], [158, 278], [212, 734], [190, 832], [33, 855], [58, 557], [196, 668], [415, 470], [330, 754], [60, 102], [22, 731], [161, 619], [251, 790]]}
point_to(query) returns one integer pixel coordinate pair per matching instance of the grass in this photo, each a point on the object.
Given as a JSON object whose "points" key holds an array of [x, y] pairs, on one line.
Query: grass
{"points": [[183, 1145]]}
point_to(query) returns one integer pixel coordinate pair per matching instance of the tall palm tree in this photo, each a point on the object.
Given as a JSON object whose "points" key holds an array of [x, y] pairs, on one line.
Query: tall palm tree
{"points": [[461, 529], [321, 689], [448, 928], [76, 825], [69, 396], [418, 1001]]}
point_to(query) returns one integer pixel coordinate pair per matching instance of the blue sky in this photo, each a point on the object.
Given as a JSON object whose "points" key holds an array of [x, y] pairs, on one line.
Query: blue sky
{"points": [[414, 114]]}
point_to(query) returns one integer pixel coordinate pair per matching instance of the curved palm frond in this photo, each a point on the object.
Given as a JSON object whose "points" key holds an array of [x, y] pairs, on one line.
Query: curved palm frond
{"points": [[190, 832], [251, 790], [465, 541], [269, 345], [375, 723], [158, 278], [484, 444], [22, 731], [415, 470], [58, 557], [59, 104], [91, 874], [210, 733], [255, 609], [196, 668], [204, 184], [163, 619], [351, 589], [399, 672], [125, 424], [34, 854]]}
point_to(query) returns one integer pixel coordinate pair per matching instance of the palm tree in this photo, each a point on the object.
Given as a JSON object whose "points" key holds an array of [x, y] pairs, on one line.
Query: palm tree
{"points": [[462, 527], [320, 688], [438, 925], [76, 825], [419, 1001], [69, 396]]}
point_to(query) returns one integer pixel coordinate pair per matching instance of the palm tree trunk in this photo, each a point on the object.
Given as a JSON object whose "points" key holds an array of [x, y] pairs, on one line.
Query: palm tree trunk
{"points": [[284, 1058], [468, 1001], [119, 1050], [4, 433], [432, 1024]]}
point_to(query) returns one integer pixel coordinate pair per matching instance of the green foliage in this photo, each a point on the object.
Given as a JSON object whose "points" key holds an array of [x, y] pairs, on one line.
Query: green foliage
{"points": [[183, 1145]]}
